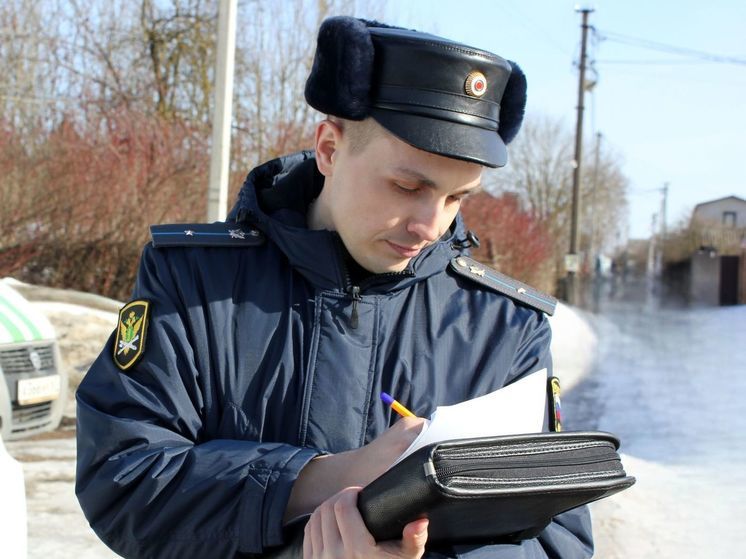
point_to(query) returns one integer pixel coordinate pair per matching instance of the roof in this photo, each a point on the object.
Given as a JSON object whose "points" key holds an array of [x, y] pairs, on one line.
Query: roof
{"points": [[735, 198]]}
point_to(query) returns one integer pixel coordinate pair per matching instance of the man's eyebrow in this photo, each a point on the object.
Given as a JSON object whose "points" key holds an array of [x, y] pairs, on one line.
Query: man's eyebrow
{"points": [[471, 190], [419, 178], [423, 180]]}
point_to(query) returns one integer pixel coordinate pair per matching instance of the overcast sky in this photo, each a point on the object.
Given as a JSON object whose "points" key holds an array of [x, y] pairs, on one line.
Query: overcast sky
{"points": [[674, 118]]}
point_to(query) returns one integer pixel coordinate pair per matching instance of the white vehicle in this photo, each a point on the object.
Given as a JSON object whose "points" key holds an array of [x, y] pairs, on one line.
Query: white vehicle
{"points": [[13, 528], [33, 385]]}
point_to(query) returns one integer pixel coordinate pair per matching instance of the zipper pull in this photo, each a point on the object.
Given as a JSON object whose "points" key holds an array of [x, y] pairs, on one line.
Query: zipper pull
{"points": [[355, 294]]}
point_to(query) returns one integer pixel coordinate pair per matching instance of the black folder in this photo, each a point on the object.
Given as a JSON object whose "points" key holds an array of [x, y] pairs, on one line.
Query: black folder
{"points": [[487, 490], [493, 489]]}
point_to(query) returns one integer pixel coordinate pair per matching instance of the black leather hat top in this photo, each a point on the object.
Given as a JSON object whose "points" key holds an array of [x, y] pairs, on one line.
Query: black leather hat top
{"points": [[435, 94]]}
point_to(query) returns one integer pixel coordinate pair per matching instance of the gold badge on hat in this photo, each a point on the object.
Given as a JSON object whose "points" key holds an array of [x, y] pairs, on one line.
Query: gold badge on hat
{"points": [[129, 342], [476, 84]]}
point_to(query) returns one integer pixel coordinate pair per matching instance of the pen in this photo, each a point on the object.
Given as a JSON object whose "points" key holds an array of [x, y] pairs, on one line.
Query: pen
{"points": [[396, 406]]}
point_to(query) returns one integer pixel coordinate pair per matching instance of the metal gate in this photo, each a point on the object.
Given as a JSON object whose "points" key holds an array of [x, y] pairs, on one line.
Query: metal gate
{"points": [[729, 266]]}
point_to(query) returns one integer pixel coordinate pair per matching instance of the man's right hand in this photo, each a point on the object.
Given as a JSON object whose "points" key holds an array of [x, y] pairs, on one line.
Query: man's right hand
{"points": [[336, 530], [373, 459], [325, 476]]}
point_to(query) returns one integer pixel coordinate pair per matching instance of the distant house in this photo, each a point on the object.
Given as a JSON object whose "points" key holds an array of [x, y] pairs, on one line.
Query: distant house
{"points": [[718, 268], [721, 223]]}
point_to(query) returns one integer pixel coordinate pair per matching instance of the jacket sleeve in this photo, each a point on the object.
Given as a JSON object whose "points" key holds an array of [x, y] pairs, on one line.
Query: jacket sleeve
{"points": [[151, 478], [568, 535]]}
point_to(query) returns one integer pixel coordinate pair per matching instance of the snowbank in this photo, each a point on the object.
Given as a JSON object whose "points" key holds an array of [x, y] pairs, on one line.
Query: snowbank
{"points": [[573, 345]]}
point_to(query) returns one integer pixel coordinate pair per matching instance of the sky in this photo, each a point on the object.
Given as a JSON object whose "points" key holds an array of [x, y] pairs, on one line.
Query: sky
{"points": [[670, 118]]}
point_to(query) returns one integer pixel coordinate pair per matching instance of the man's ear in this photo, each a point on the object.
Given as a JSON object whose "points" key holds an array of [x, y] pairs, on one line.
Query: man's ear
{"points": [[328, 137]]}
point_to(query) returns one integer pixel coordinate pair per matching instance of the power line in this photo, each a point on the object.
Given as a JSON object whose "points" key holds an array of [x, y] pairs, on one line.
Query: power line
{"points": [[670, 49], [531, 25], [666, 62]]}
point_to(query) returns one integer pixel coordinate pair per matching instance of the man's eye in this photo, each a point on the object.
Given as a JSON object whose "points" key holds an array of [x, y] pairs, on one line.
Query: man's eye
{"points": [[406, 189]]}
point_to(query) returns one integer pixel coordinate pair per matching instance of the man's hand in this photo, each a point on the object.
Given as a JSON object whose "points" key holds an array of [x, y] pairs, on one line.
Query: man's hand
{"points": [[336, 530], [326, 475], [371, 460]]}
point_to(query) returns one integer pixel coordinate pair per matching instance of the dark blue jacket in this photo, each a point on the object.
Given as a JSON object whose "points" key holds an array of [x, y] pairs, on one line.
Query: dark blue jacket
{"points": [[252, 367]]}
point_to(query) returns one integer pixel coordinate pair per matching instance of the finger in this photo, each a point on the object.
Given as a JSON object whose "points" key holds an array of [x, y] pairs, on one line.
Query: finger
{"points": [[414, 538], [351, 526], [307, 545], [313, 535], [331, 539]]}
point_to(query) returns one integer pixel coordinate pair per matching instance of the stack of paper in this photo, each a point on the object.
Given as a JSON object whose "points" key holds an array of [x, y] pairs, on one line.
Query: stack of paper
{"points": [[514, 409]]}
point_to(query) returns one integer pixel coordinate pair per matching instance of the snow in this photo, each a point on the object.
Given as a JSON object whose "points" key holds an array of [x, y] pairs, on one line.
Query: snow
{"points": [[669, 382], [573, 345], [12, 520]]}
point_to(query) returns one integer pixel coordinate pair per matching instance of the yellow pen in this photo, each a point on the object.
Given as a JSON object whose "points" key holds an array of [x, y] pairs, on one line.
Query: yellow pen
{"points": [[396, 406]]}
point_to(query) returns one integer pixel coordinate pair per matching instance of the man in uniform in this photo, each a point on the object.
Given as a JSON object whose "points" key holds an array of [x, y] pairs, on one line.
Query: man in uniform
{"points": [[240, 389]]}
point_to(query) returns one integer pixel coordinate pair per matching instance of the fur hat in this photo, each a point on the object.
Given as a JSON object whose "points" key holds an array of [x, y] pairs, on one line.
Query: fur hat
{"points": [[435, 94]]}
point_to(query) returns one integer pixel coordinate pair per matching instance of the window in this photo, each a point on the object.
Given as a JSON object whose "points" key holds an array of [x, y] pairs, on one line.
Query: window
{"points": [[729, 219]]}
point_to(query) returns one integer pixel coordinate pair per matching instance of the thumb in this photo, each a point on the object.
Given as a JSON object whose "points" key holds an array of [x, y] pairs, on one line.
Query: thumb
{"points": [[414, 538]]}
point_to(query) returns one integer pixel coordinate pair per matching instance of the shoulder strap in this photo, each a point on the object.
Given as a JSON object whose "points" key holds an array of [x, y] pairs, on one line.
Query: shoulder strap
{"points": [[483, 275], [218, 234]]}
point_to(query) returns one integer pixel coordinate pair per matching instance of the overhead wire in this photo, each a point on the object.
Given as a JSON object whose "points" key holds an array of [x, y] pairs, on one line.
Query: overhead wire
{"points": [[670, 49], [530, 24]]}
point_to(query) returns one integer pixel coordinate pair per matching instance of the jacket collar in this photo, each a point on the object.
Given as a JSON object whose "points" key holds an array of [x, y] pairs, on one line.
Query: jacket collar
{"points": [[319, 255]]}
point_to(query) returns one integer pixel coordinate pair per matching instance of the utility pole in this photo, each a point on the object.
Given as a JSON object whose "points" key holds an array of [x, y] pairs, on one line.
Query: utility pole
{"points": [[572, 262], [652, 248], [664, 202], [662, 228], [593, 250], [217, 193]]}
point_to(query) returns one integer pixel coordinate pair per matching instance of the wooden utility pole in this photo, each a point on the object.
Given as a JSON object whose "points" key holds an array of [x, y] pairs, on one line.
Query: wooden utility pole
{"points": [[661, 245], [217, 194], [594, 251], [573, 259]]}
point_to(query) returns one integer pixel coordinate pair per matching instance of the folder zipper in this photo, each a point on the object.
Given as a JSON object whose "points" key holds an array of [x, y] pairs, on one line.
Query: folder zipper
{"points": [[443, 469], [509, 451]]}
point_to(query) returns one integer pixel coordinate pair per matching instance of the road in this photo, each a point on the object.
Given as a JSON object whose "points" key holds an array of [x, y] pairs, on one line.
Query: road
{"points": [[670, 381]]}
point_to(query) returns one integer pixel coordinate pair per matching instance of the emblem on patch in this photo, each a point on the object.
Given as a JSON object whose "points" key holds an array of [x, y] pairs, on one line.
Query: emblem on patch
{"points": [[476, 84], [555, 407], [129, 343]]}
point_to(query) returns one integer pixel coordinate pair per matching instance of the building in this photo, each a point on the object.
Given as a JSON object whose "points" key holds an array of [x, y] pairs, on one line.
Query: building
{"points": [[718, 267]]}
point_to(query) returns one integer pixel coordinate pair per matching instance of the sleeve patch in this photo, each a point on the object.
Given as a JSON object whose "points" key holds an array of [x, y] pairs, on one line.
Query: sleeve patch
{"points": [[129, 342]]}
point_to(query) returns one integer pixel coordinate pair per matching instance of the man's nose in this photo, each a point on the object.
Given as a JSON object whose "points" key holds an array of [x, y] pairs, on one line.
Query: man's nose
{"points": [[426, 222]]}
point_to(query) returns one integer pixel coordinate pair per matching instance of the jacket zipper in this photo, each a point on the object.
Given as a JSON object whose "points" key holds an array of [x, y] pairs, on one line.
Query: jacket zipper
{"points": [[354, 292]]}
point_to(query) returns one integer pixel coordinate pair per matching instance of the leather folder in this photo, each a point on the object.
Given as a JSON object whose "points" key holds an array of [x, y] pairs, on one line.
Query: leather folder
{"points": [[486, 490], [493, 489]]}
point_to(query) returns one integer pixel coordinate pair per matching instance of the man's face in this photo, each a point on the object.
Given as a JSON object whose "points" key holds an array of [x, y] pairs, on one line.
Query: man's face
{"points": [[390, 200]]}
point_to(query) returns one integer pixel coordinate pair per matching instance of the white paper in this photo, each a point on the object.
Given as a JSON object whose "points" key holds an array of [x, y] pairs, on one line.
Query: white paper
{"points": [[512, 410]]}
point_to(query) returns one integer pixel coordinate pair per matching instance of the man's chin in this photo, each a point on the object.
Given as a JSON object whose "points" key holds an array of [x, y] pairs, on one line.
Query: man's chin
{"points": [[387, 267]]}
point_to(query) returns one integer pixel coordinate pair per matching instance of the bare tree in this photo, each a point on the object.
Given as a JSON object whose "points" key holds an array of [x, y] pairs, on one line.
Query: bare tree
{"points": [[105, 108], [179, 42], [540, 173], [274, 56]]}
